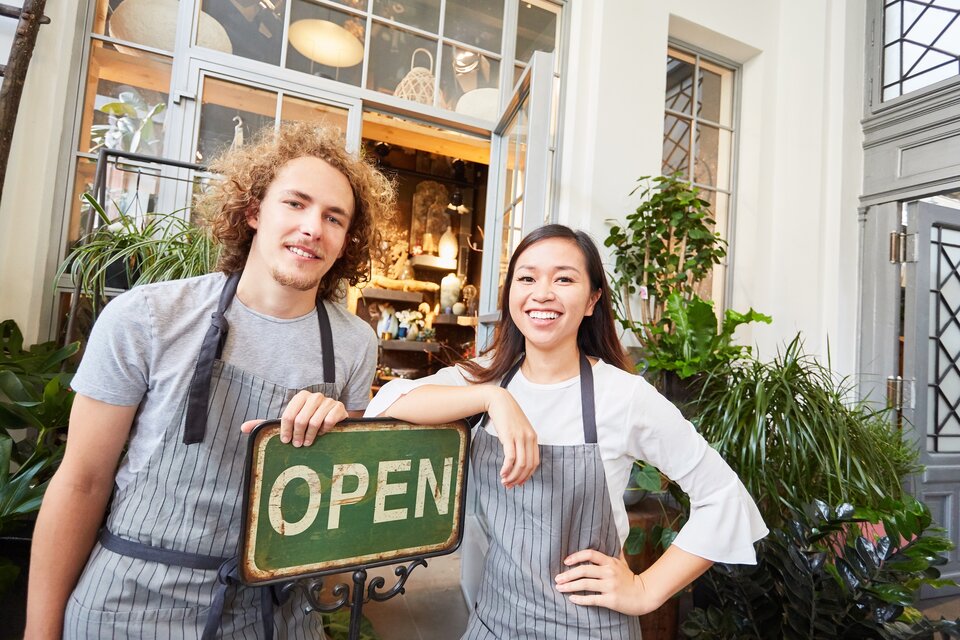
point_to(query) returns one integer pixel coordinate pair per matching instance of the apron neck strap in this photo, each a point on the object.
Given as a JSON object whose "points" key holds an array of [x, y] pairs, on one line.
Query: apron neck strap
{"points": [[198, 396], [587, 403]]}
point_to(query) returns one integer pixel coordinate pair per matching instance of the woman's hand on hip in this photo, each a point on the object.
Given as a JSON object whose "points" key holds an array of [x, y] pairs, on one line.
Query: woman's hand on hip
{"points": [[307, 415], [520, 451], [609, 582]]}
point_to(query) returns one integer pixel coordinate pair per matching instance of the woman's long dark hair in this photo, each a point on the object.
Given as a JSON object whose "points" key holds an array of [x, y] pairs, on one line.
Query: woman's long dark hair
{"points": [[597, 335]]}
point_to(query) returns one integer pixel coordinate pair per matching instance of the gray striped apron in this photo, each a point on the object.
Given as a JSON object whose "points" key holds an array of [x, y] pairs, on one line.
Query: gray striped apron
{"points": [[165, 566], [564, 507]]}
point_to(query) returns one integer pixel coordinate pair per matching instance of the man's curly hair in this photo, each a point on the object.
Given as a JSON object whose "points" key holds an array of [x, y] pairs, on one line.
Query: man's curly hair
{"points": [[249, 170]]}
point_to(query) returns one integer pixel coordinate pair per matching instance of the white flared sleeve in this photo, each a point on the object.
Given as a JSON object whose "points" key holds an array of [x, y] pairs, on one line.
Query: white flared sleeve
{"points": [[724, 520], [396, 389]]}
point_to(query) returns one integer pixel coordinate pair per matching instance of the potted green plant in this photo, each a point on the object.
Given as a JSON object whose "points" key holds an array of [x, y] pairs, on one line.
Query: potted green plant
{"points": [[827, 573], [790, 431], [131, 125], [152, 248], [35, 402]]}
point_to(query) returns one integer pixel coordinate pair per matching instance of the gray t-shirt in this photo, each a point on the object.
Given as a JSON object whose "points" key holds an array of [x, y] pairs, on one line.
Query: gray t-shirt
{"points": [[145, 344]]}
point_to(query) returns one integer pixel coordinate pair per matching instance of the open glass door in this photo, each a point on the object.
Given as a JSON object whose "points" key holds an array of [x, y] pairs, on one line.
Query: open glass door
{"points": [[518, 188], [518, 185]]}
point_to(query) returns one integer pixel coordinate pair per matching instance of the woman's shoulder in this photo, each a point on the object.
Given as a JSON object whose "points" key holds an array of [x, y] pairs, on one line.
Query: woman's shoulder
{"points": [[613, 375]]}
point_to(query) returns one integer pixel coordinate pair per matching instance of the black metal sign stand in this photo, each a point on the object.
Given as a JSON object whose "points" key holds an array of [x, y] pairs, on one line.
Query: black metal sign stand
{"points": [[362, 592]]}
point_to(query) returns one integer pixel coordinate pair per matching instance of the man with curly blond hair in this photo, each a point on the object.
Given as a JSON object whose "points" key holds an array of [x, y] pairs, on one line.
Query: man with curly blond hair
{"points": [[172, 370]]}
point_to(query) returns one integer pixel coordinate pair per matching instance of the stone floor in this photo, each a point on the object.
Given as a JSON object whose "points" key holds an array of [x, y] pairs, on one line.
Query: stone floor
{"points": [[433, 607]]}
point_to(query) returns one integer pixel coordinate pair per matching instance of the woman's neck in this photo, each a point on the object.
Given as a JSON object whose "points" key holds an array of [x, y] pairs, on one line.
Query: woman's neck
{"points": [[552, 365]]}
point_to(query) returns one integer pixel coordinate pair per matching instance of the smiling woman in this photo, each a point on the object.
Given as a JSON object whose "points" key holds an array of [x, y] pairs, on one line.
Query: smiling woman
{"points": [[577, 450]]}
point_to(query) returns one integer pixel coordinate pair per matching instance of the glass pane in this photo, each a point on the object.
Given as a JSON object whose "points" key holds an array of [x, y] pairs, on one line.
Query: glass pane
{"points": [[79, 210], [402, 64], [231, 113], [712, 287], [422, 14], [125, 100], [676, 145], [478, 23], [523, 123], [298, 110], [152, 23], [712, 156], [468, 83], [715, 96], [679, 85], [326, 43], [891, 64], [505, 243], [944, 341], [254, 30], [930, 77], [536, 31]]}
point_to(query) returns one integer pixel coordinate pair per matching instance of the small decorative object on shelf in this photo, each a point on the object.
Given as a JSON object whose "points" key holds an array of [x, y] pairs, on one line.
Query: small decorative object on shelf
{"points": [[470, 298], [427, 335], [410, 322], [449, 247], [459, 308], [449, 292], [388, 326]]}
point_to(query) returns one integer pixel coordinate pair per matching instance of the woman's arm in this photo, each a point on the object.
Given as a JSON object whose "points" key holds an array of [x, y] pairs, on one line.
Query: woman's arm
{"points": [[436, 404], [615, 586]]}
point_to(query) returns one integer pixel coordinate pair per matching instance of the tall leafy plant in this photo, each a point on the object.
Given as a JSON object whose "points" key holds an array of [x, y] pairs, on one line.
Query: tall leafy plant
{"points": [[692, 341], [789, 431], [668, 245]]}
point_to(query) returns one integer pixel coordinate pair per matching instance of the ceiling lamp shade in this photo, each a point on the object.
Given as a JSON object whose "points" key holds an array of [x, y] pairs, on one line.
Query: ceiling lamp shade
{"points": [[154, 23], [326, 42]]}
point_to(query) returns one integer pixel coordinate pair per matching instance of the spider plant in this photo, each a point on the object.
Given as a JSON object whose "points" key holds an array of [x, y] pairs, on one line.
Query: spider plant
{"points": [[160, 246]]}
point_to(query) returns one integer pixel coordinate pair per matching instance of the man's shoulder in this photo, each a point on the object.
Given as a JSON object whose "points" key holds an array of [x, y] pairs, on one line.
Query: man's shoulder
{"points": [[344, 321]]}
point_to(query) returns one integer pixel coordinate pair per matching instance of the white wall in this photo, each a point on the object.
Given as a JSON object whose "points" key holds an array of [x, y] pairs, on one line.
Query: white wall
{"points": [[795, 236], [29, 193]]}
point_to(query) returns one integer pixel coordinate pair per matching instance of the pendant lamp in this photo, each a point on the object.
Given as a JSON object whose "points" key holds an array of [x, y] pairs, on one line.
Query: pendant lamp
{"points": [[326, 42], [153, 23]]}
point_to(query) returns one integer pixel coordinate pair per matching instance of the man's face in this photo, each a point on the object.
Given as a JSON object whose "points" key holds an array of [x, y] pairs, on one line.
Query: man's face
{"points": [[301, 224]]}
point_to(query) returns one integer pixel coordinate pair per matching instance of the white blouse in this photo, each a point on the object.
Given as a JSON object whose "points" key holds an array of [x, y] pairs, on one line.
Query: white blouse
{"points": [[633, 422]]}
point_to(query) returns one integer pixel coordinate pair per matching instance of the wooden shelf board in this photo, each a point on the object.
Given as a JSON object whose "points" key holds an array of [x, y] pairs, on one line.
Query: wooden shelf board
{"points": [[433, 262], [449, 318], [376, 293], [410, 345]]}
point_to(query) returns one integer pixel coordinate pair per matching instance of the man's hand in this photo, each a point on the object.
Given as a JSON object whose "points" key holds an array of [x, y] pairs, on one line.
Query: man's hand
{"points": [[520, 451], [306, 416]]}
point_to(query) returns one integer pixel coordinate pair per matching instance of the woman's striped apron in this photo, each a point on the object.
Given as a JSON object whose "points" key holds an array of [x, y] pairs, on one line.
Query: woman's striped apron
{"points": [[154, 573], [564, 507]]}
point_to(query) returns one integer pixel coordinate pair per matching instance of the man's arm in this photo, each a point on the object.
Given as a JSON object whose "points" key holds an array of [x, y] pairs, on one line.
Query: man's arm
{"points": [[73, 509]]}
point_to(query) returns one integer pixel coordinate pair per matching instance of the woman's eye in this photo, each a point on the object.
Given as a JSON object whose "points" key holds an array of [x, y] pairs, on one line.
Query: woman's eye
{"points": [[524, 278], [565, 279]]}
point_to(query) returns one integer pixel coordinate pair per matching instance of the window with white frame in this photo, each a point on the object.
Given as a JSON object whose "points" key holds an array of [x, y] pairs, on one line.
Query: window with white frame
{"points": [[698, 138], [921, 44]]}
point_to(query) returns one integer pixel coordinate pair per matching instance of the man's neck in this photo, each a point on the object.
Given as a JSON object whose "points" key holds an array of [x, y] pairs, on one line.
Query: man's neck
{"points": [[267, 296]]}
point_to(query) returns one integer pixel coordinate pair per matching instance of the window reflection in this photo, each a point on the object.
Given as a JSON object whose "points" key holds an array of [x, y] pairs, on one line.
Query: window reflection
{"points": [[536, 31], [469, 81], [325, 42], [125, 100], [255, 29], [230, 114], [402, 64], [422, 14], [477, 23]]}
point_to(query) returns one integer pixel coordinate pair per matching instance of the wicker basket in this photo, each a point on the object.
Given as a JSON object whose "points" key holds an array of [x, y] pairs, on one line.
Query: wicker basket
{"points": [[417, 85]]}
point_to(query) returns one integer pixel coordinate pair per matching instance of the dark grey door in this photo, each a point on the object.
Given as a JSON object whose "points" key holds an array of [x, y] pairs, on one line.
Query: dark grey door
{"points": [[931, 357]]}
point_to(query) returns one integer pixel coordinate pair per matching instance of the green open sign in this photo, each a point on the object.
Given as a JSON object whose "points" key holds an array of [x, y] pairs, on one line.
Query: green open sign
{"points": [[368, 493]]}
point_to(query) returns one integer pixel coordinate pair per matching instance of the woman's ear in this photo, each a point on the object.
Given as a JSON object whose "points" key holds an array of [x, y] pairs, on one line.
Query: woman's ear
{"points": [[592, 303]]}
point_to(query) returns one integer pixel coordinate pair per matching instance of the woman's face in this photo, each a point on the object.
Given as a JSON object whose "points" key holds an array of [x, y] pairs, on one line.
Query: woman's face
{"points": [[551, 293]]}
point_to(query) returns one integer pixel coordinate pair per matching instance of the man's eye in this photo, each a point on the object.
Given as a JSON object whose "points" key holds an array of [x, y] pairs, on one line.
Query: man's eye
{"points": [[335, 220], [294, 204]]}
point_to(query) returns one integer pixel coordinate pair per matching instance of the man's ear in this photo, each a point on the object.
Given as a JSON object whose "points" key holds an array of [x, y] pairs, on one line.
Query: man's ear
{"points": [[253, 214]]}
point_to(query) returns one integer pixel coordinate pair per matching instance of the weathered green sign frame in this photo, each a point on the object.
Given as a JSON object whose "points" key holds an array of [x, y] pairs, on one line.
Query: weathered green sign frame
{"points": [[369, 493]]}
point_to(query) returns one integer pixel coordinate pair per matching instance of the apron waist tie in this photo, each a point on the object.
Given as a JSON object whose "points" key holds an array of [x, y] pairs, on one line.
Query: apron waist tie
{"points": [[227, 574]]}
